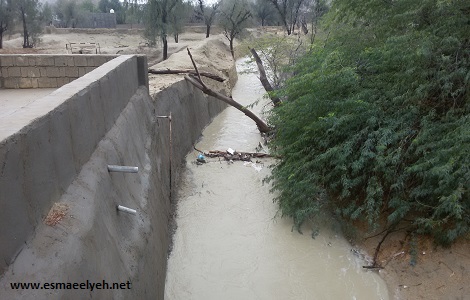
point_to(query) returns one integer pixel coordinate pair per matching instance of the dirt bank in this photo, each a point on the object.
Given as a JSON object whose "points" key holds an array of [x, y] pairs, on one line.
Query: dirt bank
{"points": [[433, 273]]}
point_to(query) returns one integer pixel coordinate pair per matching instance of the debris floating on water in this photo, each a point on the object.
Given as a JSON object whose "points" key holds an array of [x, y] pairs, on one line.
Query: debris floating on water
{"points": [[243, 156], [254, 165], [201, 159]]}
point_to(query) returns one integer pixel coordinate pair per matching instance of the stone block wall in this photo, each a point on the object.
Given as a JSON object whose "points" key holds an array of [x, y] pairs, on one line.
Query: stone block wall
{"points": [[46, 71]]}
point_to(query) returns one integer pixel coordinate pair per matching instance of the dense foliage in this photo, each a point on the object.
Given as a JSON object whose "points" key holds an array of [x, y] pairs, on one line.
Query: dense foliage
{"points": [[376, 121]]}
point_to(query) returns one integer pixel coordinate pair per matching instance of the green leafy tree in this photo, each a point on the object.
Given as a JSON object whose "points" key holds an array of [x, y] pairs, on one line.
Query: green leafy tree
{"points": [[264, 12], [6, 18], [235, 16], [67, 11], [134, 12], [28, 12], [158, 22], [107, 5], [376, 122], [178, 18], [88, 6], [46, 14]]}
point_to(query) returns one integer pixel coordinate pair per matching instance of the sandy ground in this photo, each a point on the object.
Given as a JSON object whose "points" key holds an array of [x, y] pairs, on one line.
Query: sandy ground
{"points": [[106, 41], [439, 273]]}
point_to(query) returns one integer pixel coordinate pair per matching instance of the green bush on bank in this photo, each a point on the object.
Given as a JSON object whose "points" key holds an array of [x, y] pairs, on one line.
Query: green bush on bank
{"points": [[376, 120]]}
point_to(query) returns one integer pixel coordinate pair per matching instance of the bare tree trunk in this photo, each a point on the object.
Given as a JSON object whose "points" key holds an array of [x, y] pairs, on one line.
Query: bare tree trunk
{"points": [[165, 47], [25, 30], [176, 71], [164, 33], [208, 30], [231, 48], [314, 32], [262, 126], [287, 27], [3, 29], [264, 80]]}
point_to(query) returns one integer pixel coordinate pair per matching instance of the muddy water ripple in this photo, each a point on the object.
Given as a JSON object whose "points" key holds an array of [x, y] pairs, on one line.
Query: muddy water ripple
{"points": [[230, 244]]}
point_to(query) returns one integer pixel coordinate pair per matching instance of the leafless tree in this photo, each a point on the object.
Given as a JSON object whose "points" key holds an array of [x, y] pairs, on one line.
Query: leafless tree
{"points": [[288, 11], [264, 12], [235, 15]]}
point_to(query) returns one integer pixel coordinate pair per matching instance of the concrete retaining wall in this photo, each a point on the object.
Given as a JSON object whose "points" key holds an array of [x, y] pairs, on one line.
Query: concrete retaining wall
{"points": [[41, 160], [46, 71], [107, 118]]}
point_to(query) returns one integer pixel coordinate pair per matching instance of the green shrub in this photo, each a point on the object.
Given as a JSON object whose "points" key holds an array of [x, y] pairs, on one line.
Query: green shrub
{"points": [[376, 120]]}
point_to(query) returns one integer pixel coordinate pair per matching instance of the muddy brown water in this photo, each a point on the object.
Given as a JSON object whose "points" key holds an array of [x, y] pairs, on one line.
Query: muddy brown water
{"points": [[232, 244]]}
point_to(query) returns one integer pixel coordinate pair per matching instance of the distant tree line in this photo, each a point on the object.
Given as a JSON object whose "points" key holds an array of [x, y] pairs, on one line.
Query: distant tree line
{"points": [[167, 17], [160, 17]]}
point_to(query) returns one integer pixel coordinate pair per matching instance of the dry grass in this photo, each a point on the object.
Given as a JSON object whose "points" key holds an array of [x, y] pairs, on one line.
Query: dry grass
{"points": [[56, 214]]}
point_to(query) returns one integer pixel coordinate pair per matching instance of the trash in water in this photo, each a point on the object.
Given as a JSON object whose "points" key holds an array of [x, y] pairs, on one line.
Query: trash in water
{"points": [[201, 159], [231, 151], [251, 164]]}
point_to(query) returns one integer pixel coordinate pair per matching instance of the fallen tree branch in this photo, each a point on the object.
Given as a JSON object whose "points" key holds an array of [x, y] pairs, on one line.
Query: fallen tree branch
{"points": [[195, 68], [375, 265], [243, 156], [263, 78], [262, 126], [198, 83], [205, 74], [237, 155], [387, 229]]}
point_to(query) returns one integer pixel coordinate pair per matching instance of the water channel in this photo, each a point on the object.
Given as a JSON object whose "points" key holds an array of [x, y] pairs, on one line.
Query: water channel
{"points": [[231, 244]]}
